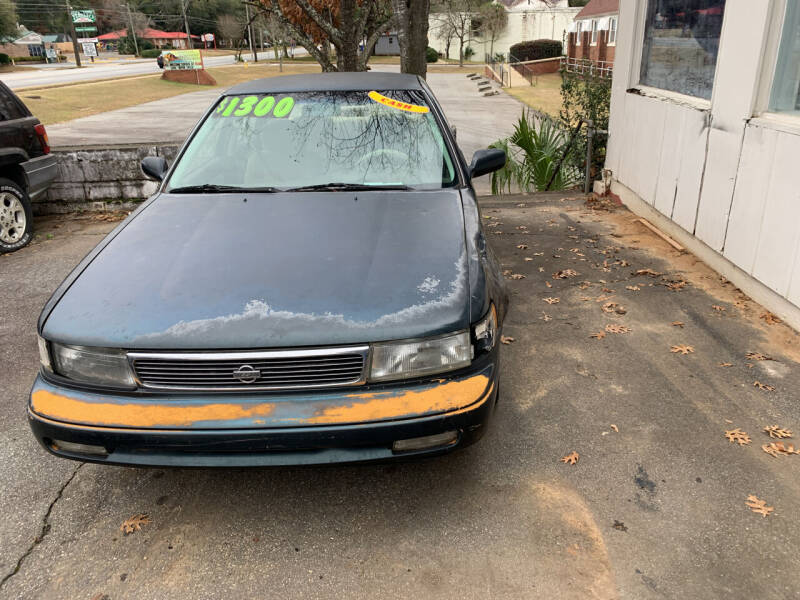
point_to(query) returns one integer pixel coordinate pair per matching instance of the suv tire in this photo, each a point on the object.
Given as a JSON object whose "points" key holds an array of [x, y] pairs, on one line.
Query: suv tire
{"points": [[16, 217]]}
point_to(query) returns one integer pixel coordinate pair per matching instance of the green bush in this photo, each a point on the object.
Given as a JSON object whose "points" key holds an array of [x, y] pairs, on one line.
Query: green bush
{"points": [[29, 59], [468, 52], [533, 151], [586, 96], [431, 55], [536, 50], [150, 53], [146, 45], [5, 59]]}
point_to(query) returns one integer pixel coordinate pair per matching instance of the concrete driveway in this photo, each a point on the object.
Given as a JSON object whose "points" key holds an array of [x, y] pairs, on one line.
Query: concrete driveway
{"points": [[654, 508]]}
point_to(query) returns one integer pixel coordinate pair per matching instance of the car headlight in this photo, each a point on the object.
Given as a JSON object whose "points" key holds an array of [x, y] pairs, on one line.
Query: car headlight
{"points": [[486, 331], [403, 360], [99, 366]]}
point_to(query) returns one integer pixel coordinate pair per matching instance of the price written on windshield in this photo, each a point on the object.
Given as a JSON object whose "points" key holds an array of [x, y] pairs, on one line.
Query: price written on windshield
{"points": [[253, 106]]}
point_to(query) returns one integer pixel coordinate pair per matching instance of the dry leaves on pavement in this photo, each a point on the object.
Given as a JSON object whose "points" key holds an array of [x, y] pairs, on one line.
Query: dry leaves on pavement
{"points": [[756, 356], [134, 523], [615, 428], [516, 276], [758, 506], [682, 348], [739, 436], [599, 335], [648, 272], [633, 288], [613, 328], [565, 274], [725, 364], [776, 449], [571, 458], [770, 318], [552, 300], [718, 308], [763, 386], [776, 431], [504, 339], [678, 324], [522, 246], [676, 286]]}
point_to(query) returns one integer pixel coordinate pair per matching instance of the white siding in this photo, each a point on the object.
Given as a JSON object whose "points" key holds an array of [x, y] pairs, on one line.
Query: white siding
{"points": [[721, 175]]}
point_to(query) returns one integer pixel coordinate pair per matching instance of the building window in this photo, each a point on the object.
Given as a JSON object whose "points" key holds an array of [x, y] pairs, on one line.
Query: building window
{"points": [[578, 32], [785, 95], [612, 30], [594, 31], [681, 43]]}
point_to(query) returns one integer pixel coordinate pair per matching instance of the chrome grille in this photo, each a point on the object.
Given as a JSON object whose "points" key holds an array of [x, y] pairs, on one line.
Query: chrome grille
{"points": [[251, 371]]}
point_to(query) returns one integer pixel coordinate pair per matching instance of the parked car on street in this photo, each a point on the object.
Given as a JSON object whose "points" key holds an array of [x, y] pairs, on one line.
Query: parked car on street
{"points": [[310, 284], [26, 169]]}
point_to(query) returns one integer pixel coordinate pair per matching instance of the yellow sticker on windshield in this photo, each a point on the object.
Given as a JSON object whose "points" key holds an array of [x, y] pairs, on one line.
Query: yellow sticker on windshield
{"points": [[397, 103]]}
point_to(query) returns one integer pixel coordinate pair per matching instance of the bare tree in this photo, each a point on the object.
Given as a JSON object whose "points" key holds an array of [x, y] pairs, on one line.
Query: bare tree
{"points": [[444, 31], [459, 14], [351, 26], [493, 21], [232, 30], [412, 33]]}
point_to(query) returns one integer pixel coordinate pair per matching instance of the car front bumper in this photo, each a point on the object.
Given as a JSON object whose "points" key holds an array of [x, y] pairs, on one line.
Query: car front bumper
{"points": [[236, 431]]}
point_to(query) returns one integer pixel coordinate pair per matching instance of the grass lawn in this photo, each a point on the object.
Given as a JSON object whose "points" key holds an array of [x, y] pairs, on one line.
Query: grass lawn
{"points": [[545, 95], [59, 104]]}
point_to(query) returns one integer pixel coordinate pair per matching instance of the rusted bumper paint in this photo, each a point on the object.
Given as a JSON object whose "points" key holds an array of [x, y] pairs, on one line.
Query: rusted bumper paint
{"points": [[180, 430]]}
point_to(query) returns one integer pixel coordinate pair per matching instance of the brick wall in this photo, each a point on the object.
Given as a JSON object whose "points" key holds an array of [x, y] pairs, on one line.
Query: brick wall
{"points": [[599, 51]]}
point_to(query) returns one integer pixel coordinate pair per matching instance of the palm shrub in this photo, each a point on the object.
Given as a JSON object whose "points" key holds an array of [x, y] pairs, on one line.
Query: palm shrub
{"points": [[533, 152]]}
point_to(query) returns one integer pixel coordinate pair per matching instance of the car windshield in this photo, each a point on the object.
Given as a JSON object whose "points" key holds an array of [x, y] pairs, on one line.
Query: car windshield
{"points": [[386, 138]]}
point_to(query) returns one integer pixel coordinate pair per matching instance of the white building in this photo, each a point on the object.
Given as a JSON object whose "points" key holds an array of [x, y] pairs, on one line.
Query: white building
{"points": [[705, 135], [527, 20]]}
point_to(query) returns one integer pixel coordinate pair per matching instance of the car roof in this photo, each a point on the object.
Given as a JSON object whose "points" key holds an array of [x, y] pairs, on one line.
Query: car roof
{"points": [[323, 82]]}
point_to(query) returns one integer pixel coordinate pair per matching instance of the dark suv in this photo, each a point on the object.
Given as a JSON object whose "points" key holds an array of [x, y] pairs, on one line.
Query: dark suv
{"points": [[26, 169]]}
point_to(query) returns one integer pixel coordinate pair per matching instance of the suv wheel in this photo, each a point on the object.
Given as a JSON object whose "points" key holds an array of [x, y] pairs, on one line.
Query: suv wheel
{"points": [[16, 217]]}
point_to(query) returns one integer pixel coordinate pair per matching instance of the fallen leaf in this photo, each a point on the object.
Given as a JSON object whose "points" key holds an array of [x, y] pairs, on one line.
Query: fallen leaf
{"points": [[682, 348], [504, 339], [718, 308], [564, 274], [609, 307], [633, 288], [585, 284], [528, 259], [552, 300], [545, 317], [541, 269], [599, 335], [678, 324], [517, 276], [607, 291], [619, 526], [134, 523], [676, 286], [571, 458], [759, 506], [725, 364], [507, 272], [648, 272], [776, 449], [613, 328], [763, 386], [770, 318], [756, 356], [615, 428], [739, 436], [522, 247], [538, 253], [548, 284], [775, 431]]}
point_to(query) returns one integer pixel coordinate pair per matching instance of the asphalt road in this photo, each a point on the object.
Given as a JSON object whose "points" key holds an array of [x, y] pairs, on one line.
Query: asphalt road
{"points": [[655, 509], [49, 75]]}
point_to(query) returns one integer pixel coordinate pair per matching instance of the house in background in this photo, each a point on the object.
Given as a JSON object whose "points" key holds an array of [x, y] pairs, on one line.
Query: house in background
{"points": [[387, 45], [705, 135], [527, 20], [23, 43], [593, 34], [176, 39]]}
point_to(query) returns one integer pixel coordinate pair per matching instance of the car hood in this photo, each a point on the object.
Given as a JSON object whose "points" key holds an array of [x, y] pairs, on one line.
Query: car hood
{"points": [[229, 271]]}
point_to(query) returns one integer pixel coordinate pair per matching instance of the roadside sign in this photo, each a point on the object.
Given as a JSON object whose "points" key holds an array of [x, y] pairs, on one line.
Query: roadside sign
{"points": [[182, 60], [51, 53], [87, 40], [207, 37], [89, 49], [83, 16], [86, 29]]}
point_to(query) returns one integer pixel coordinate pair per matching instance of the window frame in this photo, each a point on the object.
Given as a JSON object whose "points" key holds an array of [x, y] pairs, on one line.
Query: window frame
{"points": [[612, 27], [594, 28], [578, 32], [634, 77]]}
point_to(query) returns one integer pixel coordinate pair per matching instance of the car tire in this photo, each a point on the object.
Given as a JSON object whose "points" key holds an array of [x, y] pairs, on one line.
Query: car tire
{"points": [[16, 217]]}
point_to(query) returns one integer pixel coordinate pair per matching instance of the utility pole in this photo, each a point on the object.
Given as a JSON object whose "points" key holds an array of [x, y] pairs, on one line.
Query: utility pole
{"points": [[75, 48], [133, 31], [189, 44], [250, 32]]}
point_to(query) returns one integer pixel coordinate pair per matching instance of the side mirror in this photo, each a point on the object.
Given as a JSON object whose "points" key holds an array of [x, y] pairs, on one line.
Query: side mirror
{"points": [[155, 167], [487, 161]]}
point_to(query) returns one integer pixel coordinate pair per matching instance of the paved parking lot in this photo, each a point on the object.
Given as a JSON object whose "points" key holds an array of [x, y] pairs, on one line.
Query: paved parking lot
{"points": [[654, 508]]}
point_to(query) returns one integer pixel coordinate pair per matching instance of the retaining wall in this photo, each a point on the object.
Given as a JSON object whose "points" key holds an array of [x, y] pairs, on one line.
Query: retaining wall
{"points": [[100, 179]]}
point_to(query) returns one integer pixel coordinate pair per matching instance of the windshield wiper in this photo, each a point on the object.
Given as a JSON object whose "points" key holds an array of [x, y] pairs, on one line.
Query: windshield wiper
{"points": [[211, 188], [348, 187]]}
